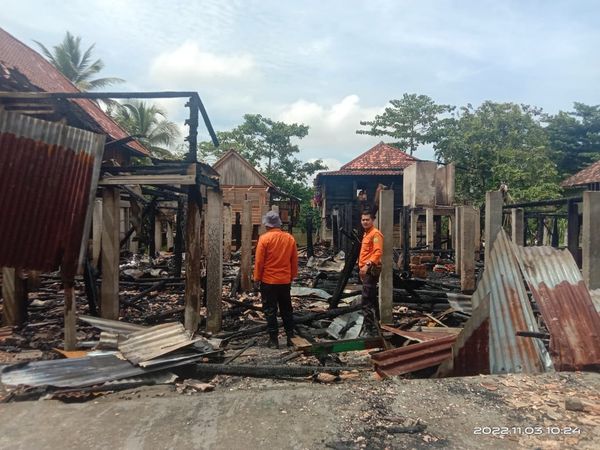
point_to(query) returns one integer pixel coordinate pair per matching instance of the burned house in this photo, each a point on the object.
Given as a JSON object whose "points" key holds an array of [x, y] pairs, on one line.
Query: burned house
{"points": [[241, 181]]}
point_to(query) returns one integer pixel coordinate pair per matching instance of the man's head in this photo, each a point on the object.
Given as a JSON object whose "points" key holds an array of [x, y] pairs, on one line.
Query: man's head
{"points": [[271, 220], [366, 220]]}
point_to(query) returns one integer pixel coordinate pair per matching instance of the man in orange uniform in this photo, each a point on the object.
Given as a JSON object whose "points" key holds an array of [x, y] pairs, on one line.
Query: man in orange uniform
{"points": [[275, 266], [369, 264]]}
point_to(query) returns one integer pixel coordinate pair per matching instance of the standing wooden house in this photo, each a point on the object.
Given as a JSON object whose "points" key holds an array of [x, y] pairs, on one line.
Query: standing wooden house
{"points": [[240, 181]]}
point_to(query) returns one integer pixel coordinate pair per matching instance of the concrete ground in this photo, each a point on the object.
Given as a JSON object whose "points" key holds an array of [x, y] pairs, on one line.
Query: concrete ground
{"points": [[529, 412]]}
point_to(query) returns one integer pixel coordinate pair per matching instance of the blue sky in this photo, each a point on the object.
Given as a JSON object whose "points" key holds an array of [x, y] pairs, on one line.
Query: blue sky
{"points": [[330, 64]]}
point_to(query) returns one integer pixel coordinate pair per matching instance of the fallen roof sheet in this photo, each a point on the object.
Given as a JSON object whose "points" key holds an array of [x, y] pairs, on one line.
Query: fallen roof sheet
{"points": [[501, 308], [156, 341], [460, 302], [566, 306], [113, 326], [77, 372], [301, 291], [411, 358]]}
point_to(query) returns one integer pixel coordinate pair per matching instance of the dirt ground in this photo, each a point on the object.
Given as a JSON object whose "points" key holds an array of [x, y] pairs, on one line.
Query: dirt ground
{"points": [[485, 412]]}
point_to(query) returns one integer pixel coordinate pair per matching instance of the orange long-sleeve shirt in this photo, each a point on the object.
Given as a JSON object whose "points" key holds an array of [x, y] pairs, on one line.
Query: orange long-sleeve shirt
{"points": [[276, 259], [371, 248]]}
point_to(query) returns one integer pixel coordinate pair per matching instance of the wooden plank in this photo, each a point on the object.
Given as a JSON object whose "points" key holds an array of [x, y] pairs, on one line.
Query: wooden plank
{"points": [[148, 179], [193, 262], [109, 297], [386, 220], [214, 260], [70, 316], [246, 256], [96, 232], [14, 295]]}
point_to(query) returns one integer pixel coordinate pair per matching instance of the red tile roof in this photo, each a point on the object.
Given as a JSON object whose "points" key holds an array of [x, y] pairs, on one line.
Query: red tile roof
{"points": [[591, 174], [15, 55], [380, 160], [380, 157]]}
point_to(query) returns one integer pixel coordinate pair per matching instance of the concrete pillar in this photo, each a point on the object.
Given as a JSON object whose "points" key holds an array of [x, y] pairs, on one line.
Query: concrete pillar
{"points": [[14, 295], [170, 236], [467, 240], [429, 227], [227, 233], [590, 240], [246, 256], [493, 219], [414, 221], [96, 232], [214, 260], [477, 234], [518, 225], [109, 295], [386, 224], [193, 261]]}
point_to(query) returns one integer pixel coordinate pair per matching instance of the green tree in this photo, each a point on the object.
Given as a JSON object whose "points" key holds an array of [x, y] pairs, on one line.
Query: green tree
{"points": [[77, 65], [269, 145], [411, 121], [574, 138], [498, 143], [150, 123]]}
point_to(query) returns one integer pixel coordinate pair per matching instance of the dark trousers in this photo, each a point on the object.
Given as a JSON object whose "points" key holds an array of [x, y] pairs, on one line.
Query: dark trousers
{"points": [[370, 299], [276, 296]]}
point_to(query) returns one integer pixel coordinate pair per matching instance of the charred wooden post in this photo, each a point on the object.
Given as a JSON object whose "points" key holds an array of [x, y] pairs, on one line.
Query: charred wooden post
{"points": [[414, 222], [539, 235], [70, 315], [178, 238], [468, 217], [109, 297], [237, 231], [246, 256], [493, 220], [310, 251], [517, 224], [158, 241], [573, 229], [193, 260], [96, 232], [386, 222], [14, 295], [429, 228], [227, 233], [457, 233], [405, 239], [437, 234], [214, 260]]}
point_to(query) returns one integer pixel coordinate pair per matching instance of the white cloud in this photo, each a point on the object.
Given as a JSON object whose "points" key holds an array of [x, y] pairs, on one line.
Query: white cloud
{"points": [[189, 64], [332, 134]]}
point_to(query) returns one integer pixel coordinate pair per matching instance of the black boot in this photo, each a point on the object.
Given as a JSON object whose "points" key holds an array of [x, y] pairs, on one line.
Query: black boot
{"points": [[289, 339], [273, 342]]}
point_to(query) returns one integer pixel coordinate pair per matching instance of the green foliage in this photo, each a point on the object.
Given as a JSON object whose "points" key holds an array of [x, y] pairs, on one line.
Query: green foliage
{"points": [[150, 123], [411, 121], [77, 65], [498, 143], [574, 138]]}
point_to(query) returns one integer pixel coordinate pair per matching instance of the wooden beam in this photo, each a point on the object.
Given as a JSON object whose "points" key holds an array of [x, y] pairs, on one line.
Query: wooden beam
{"points": [[467, 242], [493, 220], [193, 261], [414, 221], [70, 316], [109, 297], [227, 232], [429, 227], [157, 233], [457, 240], [96, 232], [386, 223], [517, 220], [246, 256], [214, 260], [148, 179]]}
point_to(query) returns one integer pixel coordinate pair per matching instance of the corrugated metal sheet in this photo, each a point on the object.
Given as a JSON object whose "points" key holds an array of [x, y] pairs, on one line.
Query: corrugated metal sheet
{"points": [[501, 307], [77, 372], [460, 302], [113, 326], [419, 336], [156, 341], [412, 358], [48, 178], [566, 306]]}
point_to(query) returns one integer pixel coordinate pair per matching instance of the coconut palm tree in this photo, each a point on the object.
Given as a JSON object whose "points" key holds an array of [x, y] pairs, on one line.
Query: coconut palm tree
{"points": [[76, 65], [150, 123]]}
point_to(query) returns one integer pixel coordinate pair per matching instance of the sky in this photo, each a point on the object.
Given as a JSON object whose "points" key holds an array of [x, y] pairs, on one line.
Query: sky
{"points": [[331, 64]]}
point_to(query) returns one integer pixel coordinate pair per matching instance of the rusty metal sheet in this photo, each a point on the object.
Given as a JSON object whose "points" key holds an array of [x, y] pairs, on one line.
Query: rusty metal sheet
{"points": [[414, 357], [48, 178], [501, 307], [113, 326], [144, 345], [566, 306]]}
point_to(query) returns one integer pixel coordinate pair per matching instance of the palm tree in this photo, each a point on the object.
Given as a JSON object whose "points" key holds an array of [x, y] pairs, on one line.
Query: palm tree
{"points": [[78, 67], [150, 123]]}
